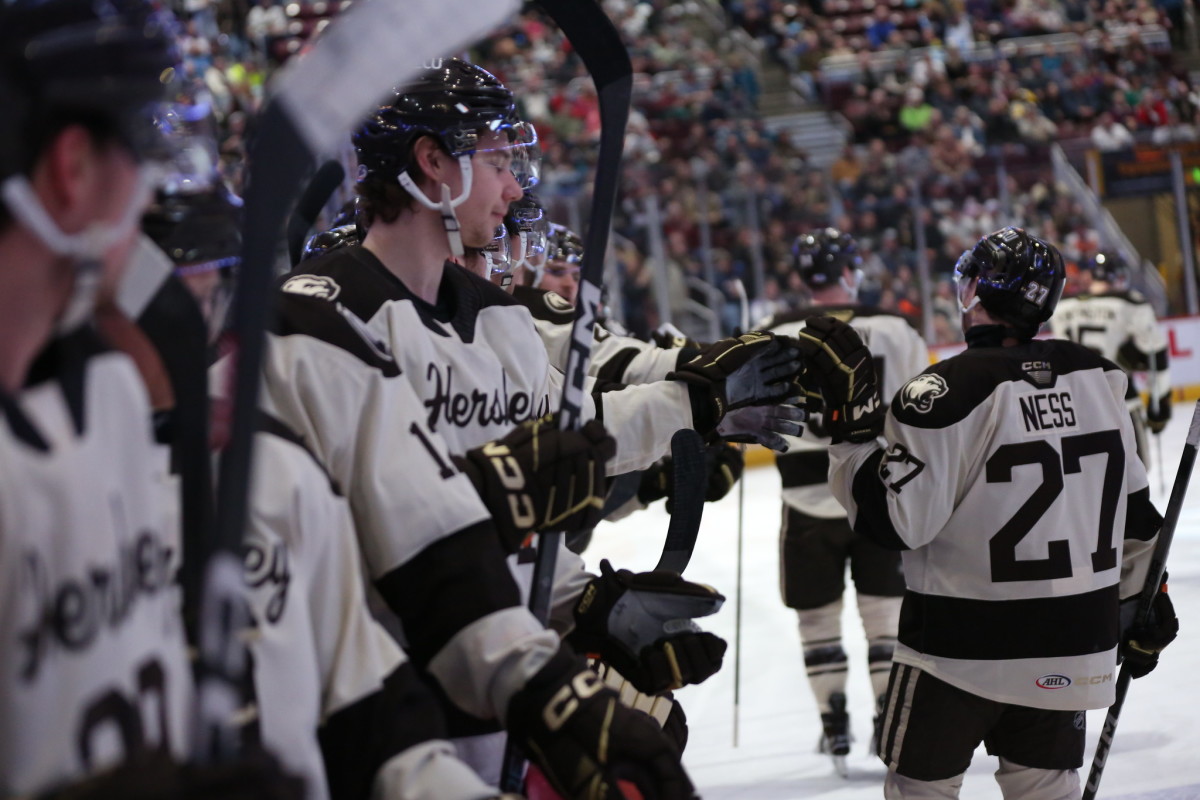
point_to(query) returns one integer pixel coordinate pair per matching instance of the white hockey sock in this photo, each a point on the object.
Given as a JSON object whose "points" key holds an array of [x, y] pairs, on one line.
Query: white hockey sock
{"points": [[880, 618], [824, 658], [1027, 783], [898, 787]]}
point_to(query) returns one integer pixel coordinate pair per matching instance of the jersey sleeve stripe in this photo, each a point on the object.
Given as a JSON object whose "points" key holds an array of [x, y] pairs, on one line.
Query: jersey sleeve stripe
{"points": [[450, 584]]}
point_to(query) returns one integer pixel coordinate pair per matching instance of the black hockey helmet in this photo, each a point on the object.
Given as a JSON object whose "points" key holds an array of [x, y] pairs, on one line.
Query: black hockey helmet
{"points": [[453, 101], [821, 257], [1020, 277], [100, 62], [333, 239], [1108, 267], [563, 245], [198, 231]]}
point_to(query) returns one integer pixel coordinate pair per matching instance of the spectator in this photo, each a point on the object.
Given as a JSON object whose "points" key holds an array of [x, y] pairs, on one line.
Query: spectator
{"points": [[916, 114], [881, 27], [1108, 135], [265, 22]]}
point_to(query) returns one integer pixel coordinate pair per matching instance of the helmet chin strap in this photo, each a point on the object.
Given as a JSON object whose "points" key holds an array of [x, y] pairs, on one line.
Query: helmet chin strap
{"points": [[85, 249], [448, 203]]}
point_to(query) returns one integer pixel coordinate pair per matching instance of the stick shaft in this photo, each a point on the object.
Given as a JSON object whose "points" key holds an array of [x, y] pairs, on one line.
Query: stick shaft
{"points": [[1158, 565]]}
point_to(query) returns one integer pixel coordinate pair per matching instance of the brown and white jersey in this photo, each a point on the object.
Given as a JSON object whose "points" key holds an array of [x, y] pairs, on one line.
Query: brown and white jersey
{"points": [[899, 354], [475, 360], [1122, 327], [331, 683], [1009, 479], [95, 666], [616, 357], [427, 540]]}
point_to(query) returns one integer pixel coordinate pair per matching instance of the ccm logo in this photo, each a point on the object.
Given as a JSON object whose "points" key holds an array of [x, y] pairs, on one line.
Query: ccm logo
{"points": [[1053, 682]]}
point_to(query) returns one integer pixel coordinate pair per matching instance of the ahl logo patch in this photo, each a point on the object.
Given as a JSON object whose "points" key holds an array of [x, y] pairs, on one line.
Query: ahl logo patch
{"points": [[919, 393], [313, 286], [1053, 681]]}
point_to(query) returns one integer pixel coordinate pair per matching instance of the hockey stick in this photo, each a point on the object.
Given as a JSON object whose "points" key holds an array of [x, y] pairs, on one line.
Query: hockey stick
{"points": [[1154, 405], [689, 468], [315, 101], [1158, 565], [744, 303], [321, 187], [596, 41]]}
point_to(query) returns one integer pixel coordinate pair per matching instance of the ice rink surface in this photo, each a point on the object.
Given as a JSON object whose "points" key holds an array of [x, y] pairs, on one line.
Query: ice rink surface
{"points": [[1155, 754]]}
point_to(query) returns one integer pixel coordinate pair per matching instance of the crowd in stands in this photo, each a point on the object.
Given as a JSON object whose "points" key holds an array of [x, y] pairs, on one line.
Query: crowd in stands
{"points": [[937, 91]]}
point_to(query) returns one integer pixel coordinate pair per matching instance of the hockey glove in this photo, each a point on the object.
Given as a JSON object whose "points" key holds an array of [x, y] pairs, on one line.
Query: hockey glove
{"points": [[539, 478], [1157, 419], [748, 370], [1141, 643], [576, 730], [642, 625], [765, 425], [840, 367]]}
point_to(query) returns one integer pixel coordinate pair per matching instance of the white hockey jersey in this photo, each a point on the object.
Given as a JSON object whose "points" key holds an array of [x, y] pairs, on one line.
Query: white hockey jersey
{"points": [[475, 360], [1122, 327], [1011, 481], [426, 538], [899, 353], [616, 358], [321, 660], [95, 665]]}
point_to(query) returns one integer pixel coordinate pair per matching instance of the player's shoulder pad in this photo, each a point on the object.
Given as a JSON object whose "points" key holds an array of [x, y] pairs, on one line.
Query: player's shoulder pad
{"points": [[546, 306], [351, 276], [871, 312], [273, 426], [949, 391], [332, 323], [798, 315], [1131, 296]]}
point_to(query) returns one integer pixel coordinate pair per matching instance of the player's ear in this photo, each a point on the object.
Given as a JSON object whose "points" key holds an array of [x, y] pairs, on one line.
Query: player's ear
{"points": [[431, 162]]}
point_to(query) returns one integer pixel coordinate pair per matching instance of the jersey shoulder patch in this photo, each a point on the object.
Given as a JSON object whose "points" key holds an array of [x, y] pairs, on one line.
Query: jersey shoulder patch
{"points": [[546, 306], [333, 323]]}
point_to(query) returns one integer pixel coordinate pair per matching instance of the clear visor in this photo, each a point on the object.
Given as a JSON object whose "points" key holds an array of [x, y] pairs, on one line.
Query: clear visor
{"points": [[496, 253], [521, 152], [189, 161], [965, 272]]}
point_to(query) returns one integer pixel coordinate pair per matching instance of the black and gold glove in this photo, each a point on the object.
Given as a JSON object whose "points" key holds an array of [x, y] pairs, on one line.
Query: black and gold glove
{"points": [[753, 369], [576, 730], [1141, 642], [840, 367], [642, 625], [539, 478]]}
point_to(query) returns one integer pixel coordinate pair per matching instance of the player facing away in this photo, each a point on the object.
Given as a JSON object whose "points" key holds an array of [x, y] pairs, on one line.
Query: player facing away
{"points": [[95, 671], [816, 541], [1009, 481], [1119, 324]]}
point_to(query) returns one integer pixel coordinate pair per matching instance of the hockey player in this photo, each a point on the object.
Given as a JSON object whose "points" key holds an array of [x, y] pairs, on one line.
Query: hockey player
{"points": [[95, 670], [1119, 324], [437, 500], [1009, 481], [816, 541], [560, 271], [337, 700]]}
